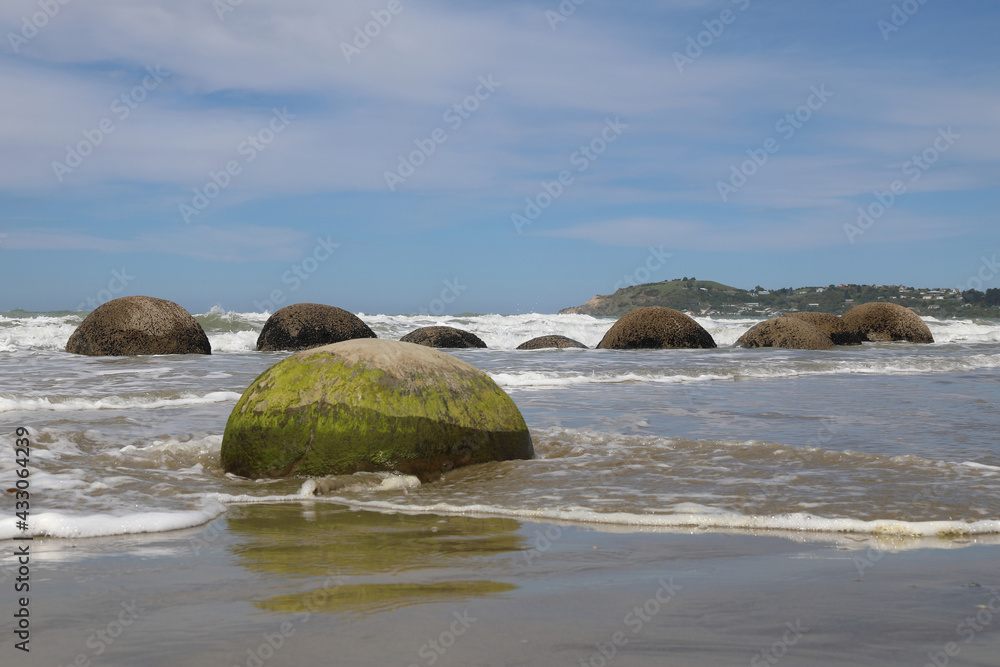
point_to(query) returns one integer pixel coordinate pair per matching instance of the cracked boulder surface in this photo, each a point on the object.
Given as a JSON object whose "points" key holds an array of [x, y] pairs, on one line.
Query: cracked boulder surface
{"points": [[369, 405]]}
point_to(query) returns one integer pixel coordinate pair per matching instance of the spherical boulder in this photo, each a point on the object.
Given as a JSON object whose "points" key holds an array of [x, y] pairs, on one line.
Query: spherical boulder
{"points": [[370, 405], [885, 322], [832, 326], [304, 325], [655, 327], [786, 332], [550, 341], [443, 337], [133, 325]]}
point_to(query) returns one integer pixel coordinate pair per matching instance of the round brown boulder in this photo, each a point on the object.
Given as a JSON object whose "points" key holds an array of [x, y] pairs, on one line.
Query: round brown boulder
{"points": [[305, 325], [832, 326], [885, 322], [655, 327], [550, 341], [786, 332], [443, 337], [138, 325]]}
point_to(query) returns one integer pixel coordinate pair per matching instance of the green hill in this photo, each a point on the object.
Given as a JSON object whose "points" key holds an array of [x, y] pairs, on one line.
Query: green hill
{"points": [[706, 297]]}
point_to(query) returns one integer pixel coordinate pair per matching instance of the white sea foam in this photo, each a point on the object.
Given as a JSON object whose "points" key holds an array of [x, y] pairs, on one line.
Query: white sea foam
{"points": [[703, 518], [70, 525], [70, 403], [234, 332]]}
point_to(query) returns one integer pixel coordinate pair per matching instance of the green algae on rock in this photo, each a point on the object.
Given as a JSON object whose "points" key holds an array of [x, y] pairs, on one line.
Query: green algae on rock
{"points": [[370, 404]]}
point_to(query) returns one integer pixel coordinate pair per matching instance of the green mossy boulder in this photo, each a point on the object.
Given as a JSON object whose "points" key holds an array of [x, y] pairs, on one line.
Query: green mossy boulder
{"points": [[133, 325], [368, 405], [886, 322]]}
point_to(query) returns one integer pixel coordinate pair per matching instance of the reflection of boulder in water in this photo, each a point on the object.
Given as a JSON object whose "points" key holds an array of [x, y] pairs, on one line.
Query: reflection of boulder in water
{"points": [[374, 598], [337, 544]]}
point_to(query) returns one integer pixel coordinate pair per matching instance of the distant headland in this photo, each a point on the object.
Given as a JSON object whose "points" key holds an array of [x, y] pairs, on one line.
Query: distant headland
{"points": [[709, 298]]}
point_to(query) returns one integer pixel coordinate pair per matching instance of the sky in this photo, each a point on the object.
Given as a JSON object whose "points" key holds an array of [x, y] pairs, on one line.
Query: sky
{"points": [[435, 156]]}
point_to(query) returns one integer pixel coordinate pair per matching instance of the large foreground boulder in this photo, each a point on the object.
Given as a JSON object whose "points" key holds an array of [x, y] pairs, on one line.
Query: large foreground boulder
{"points": [[443, 337], [304, 325], [786, 332], [138, 325], [369, 405], [885, 322], [550, 341], [655, 327], [832, 326]]}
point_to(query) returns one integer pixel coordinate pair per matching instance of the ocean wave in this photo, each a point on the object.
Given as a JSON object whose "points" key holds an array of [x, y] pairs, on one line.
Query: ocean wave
{"points": [[72, 403], [103, 524], [234, 332]]}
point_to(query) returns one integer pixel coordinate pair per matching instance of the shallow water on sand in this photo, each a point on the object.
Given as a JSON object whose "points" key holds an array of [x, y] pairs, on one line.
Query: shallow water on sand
{"points": [[890, 439]]}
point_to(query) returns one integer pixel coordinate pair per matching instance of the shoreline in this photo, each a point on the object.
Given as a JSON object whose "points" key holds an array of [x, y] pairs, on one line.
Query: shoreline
{"points": [[292, 584]]}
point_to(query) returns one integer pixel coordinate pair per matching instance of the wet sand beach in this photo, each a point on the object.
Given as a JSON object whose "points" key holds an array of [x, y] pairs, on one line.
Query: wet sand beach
{"points": [[317, 583]]}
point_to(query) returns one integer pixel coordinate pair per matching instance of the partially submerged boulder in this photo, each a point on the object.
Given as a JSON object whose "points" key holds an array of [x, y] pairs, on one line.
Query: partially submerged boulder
{"points": [[655, 327], [787, 332], [369, 405], [832, 326], [301, 326], [885, 322], [133, 325], [550, 341], [449, 337]]}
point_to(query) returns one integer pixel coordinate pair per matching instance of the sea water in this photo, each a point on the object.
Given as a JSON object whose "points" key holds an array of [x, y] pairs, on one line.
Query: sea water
{"points": [[880, 439]]}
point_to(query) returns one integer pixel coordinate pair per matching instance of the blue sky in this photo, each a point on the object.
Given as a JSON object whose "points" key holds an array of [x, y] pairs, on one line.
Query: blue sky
{"points": [[486, 156]]}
